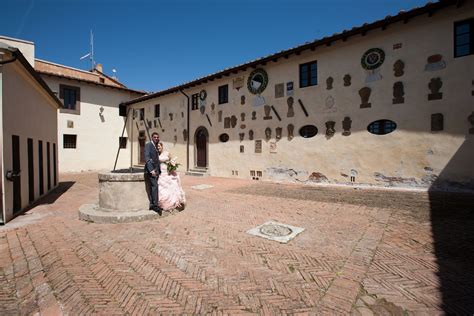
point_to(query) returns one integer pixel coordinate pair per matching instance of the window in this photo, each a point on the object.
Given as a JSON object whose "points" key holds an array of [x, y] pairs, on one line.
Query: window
{"points": [[69, 141], [123, 142], [71, 97], [463, 38], [309, 74], [195, 101], [142, 114], [382, 127], [122, 110], [308, 131], [157, 110], [223, 94]]}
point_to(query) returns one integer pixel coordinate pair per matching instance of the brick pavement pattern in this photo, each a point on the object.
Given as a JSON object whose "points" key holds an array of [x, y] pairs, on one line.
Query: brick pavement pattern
{"points": [[363, 252]]}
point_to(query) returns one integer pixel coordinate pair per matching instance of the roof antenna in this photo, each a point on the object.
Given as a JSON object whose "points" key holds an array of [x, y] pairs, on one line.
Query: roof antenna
{"points": [[91, 52]]}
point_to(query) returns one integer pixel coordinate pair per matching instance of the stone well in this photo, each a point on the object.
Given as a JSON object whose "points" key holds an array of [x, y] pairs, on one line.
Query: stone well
{"points": [[122, 198]]}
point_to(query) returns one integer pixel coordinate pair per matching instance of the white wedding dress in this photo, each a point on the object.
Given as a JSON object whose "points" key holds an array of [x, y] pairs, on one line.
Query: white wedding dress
{"points": [[170, 192]]}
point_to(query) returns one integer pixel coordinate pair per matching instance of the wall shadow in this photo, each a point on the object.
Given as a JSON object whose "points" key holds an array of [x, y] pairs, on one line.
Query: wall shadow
{"points": [[51, 196]]}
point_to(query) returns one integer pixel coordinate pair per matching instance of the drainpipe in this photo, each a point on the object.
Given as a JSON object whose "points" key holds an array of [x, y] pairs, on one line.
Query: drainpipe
{"points": [[187, 129]]}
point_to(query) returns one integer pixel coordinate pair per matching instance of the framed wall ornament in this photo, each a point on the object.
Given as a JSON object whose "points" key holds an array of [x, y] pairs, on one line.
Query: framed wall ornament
{"points": [[203, 95], [372, 59], [257, 81]]}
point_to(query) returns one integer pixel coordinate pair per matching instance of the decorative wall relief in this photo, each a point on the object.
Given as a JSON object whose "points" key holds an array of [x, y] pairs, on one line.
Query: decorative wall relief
{"points": [[303, 107], [254, 115], [330, 130], [364, 97], [233, 121], [289, 89], [290, 129], [329, 82], [267, 110], [279, 90], [291, 111], [372, 59], [70, 124], [398, 93], [185, 135], [213, 106], [437, 122], [242, 126], [242, 149], [470, 118], [219, 114], [251, 135], [238, 82], [278, 133], [268, 133], [257, 81], [202, 109], [241, 136], [175, 139], [242, 117], [273, 147], [276, 113], [258, 146], [435, 85], [347, 80], [398, 68], [346, 126], [435, 62], [329, 105], [242, 99], [227, 122], [171, 116]]}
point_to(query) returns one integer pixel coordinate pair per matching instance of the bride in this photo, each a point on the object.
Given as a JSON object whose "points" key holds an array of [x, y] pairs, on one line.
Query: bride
{"points": [[171, 195]]}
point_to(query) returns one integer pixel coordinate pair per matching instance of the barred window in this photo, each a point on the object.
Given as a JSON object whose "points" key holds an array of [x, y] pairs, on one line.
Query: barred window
{"points": [[69, 141]]}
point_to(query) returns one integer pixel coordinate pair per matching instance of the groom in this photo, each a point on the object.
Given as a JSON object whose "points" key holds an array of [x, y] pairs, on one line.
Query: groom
{"points": [[152, 171]]}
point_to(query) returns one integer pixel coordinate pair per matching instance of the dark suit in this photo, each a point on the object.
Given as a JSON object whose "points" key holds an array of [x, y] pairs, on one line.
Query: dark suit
{"points": [[152, 162]]}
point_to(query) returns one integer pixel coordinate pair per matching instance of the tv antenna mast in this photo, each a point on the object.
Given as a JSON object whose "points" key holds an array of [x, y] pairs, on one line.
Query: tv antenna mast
{"points": [[91, 52]]}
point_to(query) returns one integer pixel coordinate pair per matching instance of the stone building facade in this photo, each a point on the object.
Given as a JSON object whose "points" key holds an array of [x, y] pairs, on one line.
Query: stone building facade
{"points": [[386, 104]]}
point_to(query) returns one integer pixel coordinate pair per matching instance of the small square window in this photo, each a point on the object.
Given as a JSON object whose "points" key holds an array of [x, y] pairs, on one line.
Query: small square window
{"points": [[71, 97], [223, 94], [69, 141], [122, 110], [157, 110], [195, 101], [123, 142]]}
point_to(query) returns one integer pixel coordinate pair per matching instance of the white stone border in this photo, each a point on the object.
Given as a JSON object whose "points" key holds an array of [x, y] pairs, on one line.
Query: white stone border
{"points": [[282, 239]]}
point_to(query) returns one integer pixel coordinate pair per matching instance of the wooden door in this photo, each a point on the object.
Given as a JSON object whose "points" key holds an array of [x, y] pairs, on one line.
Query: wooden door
{"points": [[16, 173], [201, 146]]}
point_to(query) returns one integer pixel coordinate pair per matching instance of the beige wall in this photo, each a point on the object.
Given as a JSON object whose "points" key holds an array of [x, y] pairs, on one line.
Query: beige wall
{"points": [[410, 156], [29, 113], [97, 135]]}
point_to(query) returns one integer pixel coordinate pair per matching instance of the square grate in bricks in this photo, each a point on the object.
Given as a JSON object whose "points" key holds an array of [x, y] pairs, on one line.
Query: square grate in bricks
{"points": [[275, 231], [202, 186]]}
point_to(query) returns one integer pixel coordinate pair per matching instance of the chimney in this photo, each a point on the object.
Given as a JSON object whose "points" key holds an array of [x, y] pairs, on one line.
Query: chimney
{"points": [[98, 67]]}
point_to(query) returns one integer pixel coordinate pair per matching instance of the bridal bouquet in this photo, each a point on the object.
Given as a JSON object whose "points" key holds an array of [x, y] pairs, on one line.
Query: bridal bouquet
{"points": [[172, 165]]}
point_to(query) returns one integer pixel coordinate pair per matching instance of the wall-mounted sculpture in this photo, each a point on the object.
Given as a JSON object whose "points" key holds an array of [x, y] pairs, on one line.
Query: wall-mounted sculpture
{"points": [[257, 81], [398, 68], [290, 129], [291, 111], [434, 86], [233, 121], [251, 134], [227, 122], [364, 97], [171, 116], [254, 115], [330, 129], [347, 80], [437, 122], [185, 135], [398, 93], [241, 136], [329, 105], [435, 62], [242, 99], [258, 146], [346, 126], [267, 110], [470, 118], [213, 106], [242, 149], [219, 116], [242, 117], [202, 109], [279, 90], [268, 133], [175, 138], [278, 133], [242, 126], [329, 82]]}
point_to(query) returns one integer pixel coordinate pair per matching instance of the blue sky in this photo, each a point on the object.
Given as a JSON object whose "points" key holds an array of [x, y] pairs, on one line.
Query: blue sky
{"points": [[154, 45]]}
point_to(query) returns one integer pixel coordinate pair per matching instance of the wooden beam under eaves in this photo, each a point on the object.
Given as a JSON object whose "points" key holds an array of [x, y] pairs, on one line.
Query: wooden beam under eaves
{"points": [[328, 44], [275, 60]]}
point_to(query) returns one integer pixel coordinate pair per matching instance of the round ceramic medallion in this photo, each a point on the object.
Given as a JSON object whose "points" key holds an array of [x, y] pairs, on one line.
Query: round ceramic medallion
{"points": [[203, 95], [257, 81], [273, 230], [373, 58]]}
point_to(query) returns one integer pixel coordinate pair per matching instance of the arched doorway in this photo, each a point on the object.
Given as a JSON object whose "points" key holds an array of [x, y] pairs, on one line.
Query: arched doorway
{"points": [[201, 139]]}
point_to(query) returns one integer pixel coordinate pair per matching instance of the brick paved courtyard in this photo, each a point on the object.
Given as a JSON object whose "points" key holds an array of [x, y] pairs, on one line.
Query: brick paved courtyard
{"points": [[362, 252]]}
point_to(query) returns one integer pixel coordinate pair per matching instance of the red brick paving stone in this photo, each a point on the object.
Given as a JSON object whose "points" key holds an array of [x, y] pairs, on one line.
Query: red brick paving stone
{"points": [[201, 261]]}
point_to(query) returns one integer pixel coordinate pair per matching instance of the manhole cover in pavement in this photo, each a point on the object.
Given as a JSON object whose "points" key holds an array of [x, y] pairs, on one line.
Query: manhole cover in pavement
{"points": [[276, 231], [273, 230]]}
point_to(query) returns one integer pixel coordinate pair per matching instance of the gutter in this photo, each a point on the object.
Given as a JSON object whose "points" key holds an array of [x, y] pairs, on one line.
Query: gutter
{"points": [[187, 128]]}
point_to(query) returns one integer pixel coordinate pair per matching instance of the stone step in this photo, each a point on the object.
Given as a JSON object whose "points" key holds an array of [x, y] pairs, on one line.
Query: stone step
{"points": [[197, 172]]}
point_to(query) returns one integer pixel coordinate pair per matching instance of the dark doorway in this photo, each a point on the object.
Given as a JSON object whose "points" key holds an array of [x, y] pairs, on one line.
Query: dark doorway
{"points": [[48, 164], [201, 147], [141, 142], [40, 168], [16, 173], [55, 177], [31, 172]]}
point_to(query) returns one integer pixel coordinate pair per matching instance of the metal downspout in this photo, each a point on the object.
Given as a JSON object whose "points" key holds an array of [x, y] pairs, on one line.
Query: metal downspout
{"points": [[188, 132]]}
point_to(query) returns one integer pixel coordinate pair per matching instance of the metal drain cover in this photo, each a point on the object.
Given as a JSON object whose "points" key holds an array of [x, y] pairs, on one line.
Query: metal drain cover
{"points": [[276, 231]]}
